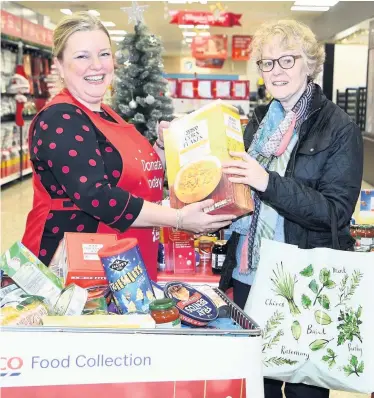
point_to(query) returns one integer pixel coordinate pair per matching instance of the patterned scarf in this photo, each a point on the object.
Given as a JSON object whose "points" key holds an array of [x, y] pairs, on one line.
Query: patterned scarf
{"points": [[272, 146]]}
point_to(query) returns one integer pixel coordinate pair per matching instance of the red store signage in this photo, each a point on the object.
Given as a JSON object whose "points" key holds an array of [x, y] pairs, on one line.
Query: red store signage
{"points": [[22, 28], [210, 47], [225, 19], [241, 48]]}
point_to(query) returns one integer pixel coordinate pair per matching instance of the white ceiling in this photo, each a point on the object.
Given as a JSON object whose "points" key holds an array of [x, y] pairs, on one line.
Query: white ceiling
{"points": [[254, 13]]}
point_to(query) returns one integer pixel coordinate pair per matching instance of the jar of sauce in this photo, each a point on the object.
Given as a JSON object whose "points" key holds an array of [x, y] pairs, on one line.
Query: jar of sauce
{"points": [[165, 314], [218, 256], [205, 247]]}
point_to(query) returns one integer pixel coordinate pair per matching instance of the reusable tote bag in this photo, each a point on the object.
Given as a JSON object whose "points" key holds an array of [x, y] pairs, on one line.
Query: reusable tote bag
{"points": [[316, 310]]}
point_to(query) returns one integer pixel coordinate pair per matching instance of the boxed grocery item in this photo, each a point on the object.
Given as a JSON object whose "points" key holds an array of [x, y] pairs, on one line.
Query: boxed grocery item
{"points": [[195, 147], [76, 261], [30, 274]]}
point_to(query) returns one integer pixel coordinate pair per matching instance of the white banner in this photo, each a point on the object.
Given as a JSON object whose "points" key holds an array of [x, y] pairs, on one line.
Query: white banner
{"points": [[317, 314], [54, 358]]}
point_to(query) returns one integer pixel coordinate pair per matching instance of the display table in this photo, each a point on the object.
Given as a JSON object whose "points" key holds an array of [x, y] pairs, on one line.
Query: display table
{"points": [[41, 362]]}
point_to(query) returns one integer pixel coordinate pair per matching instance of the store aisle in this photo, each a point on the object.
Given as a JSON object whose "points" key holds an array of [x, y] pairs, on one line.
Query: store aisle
{"points": [[16, 201]]}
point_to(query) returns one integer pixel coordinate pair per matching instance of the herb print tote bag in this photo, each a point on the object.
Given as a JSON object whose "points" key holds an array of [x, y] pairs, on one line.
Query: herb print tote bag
{"points": [[316, 310]]}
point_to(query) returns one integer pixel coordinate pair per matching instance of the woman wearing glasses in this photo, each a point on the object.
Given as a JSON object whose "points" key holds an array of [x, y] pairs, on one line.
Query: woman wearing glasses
{"points": [[304, 164]]}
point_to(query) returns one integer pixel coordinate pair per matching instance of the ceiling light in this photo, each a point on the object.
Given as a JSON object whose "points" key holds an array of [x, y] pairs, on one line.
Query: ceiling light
{"points": [[314, 3], [186, 26], [108, 24], [176, 1], [306, 8], [66, 11], [117, 32], [94, 13], [202, 26], [189, 34], [118, 38], [205, 34]]}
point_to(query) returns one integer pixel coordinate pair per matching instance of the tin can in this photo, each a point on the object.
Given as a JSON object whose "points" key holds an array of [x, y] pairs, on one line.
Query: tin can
{"points": [[127, 276], [71, 301]]}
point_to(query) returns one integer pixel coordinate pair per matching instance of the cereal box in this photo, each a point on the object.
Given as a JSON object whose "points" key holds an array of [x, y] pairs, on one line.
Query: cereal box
{"points": [[195, 147]]}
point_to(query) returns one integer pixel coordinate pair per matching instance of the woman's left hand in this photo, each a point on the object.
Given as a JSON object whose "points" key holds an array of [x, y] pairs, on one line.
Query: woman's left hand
{"points": [[160, 132], [246, 171]]}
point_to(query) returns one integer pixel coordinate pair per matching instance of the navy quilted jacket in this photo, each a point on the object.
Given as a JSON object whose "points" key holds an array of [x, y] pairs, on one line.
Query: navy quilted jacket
{"points": [[319, 191]]}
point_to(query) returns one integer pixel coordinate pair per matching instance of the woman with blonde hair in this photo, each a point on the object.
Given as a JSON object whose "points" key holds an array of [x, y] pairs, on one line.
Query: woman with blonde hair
{"points": [[92, 171], [304, 164]]}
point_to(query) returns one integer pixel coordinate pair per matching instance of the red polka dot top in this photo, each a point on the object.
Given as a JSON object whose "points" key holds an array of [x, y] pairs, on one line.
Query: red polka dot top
{"points": [[74, 160]]}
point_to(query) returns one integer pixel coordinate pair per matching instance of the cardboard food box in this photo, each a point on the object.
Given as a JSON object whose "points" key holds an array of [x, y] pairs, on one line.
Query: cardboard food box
{"points": [[195, 147], [76, 260]]}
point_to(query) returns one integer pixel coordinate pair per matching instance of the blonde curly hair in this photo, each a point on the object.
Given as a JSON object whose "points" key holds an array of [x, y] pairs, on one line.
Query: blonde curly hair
{"points": [[291, 34]]}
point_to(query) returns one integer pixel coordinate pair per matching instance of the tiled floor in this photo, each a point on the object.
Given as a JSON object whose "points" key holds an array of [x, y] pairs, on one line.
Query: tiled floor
{"points": [[16, 201]]}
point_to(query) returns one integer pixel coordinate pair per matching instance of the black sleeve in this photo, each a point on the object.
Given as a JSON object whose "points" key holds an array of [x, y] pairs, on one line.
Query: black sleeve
{"points": [[65, 140], [337, 190]]}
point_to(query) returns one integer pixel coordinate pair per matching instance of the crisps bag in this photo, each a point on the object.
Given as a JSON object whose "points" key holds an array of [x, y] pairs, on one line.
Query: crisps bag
{"points": [[315, 308]]}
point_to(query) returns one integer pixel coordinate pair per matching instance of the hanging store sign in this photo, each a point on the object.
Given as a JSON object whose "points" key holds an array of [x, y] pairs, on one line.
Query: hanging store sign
{"points": [[225, 19], [210, 47], [241, 48]]}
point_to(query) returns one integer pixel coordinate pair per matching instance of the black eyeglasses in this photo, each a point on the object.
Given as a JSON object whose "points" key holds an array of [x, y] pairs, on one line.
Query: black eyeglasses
{"points": [[285, 62]]}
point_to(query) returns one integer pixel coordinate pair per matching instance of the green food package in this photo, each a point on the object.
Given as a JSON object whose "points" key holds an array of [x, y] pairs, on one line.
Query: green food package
{"points": [[30, 274], [96, 306]]}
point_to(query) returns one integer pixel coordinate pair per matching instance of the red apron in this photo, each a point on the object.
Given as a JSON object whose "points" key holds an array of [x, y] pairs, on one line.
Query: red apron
{"points": [[141, 175]]}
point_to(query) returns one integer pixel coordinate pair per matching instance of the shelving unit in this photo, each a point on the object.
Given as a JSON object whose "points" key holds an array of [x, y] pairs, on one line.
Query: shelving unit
{"points": [[353, 102]]}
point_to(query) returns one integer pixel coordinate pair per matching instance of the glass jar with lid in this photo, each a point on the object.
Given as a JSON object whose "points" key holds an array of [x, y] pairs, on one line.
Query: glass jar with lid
{"points": [[164, 313]]}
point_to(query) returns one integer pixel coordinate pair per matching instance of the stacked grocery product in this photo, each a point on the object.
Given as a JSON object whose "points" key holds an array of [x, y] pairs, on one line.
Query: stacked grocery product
{"points": [[96, 281]]}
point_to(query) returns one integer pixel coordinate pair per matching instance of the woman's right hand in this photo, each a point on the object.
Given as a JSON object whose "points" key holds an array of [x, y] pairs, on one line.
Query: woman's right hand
{"points": [[195, 220]]}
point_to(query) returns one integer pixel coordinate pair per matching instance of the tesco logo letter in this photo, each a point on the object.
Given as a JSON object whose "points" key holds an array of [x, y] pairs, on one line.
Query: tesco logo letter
{"points": [[12, 363]]}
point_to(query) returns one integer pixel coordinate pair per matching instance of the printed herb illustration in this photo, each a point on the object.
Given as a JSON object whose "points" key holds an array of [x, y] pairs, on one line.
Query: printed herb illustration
{"points": [[284, 286], [354, 367], [278, 361], [270, 340], [347, 290], [324, 278], [322, 318], [296, 330], [306, 301], [318, 344], [271, 326], [308, 271], [349, 326], [330, 358]]}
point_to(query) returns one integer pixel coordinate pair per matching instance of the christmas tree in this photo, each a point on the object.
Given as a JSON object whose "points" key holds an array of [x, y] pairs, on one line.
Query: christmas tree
{"points": [[141, 92]]}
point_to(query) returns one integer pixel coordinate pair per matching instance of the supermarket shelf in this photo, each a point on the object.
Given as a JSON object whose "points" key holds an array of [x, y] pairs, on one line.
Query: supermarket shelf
{"points": [[12, 118], [10, 178], [15, 176], [26, 172]]}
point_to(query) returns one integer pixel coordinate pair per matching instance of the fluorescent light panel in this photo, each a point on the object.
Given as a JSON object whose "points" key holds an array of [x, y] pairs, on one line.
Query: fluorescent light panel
{"points": [[66, 11], [307, 8], [117, 32], [316, 3], [108, 24], [188, 39], [189, 34], [95, 13], [118, 38], [186, 26], [202, 26], [204, 34]]}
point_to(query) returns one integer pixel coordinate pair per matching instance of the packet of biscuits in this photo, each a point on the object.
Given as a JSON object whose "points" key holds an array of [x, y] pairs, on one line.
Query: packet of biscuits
{"points": [[195, 147]]}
